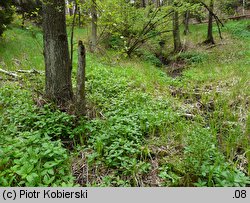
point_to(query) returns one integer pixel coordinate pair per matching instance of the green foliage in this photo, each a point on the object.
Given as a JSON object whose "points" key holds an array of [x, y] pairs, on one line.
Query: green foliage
{"points": [[229, 6], [135, 122], [150, 57], [29, 159], [206, 165], [239, 29], [129, 118], [30, 118], [27, 55], [6, 12], [170, 177], [28, 156], [191, 57], [29, 9], [127, 27]]}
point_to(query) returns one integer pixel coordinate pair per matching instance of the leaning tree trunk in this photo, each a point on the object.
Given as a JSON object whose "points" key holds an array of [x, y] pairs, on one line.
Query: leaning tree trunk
{"points": [[210, 38], [56, 52], [176, 32]]}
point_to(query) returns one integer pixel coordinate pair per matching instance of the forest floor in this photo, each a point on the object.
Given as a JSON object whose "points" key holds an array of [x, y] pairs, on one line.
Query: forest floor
{"points": [[144, 127]]}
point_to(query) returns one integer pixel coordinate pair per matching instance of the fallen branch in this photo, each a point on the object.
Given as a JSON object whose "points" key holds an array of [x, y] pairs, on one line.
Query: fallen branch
{"points": [[223, 19], [239, 17], [188, 116], [33, 71], [9, 73]]}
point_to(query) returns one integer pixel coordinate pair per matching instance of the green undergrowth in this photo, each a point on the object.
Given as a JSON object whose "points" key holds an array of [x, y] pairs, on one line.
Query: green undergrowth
{"points": [[124, 138], [22, 49], [239, 29], [129, 117], [220, 88], [30, 154], [217, 92], [144, 127]]}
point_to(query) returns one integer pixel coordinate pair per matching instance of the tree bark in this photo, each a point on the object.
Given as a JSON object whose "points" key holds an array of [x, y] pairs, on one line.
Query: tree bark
{"points": [[243, 6], [93, 42], [210, 38], [158, 3], [23, 14], [143, 3], [81, 78], [176, 32], [79, 17], [56, 53], [72, 37], [186, 23]]}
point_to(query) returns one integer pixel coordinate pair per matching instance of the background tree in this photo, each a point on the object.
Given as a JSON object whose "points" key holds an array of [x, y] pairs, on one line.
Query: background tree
{"points": [[191, 8], [93, 41], [211, 16], [29, 10], [210, 38], [176, 29], [233, 7], [126, 27], [70, 6], [179, 8], [186, 22], [6, 13]]}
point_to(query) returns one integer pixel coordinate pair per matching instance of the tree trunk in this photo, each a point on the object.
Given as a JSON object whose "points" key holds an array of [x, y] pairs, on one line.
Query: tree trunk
{"points": [[210, 38], [71, 10], [79, 17], [176, 32], [56, 53], [158, 3], [72, 37], [143, 3], [67, 7], [93, 42], [81, 78], [186, 23], [243, 6], [23, 20]]}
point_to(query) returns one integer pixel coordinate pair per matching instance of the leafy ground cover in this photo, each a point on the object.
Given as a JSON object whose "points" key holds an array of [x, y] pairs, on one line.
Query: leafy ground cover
{"points": [[144, 128]]}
